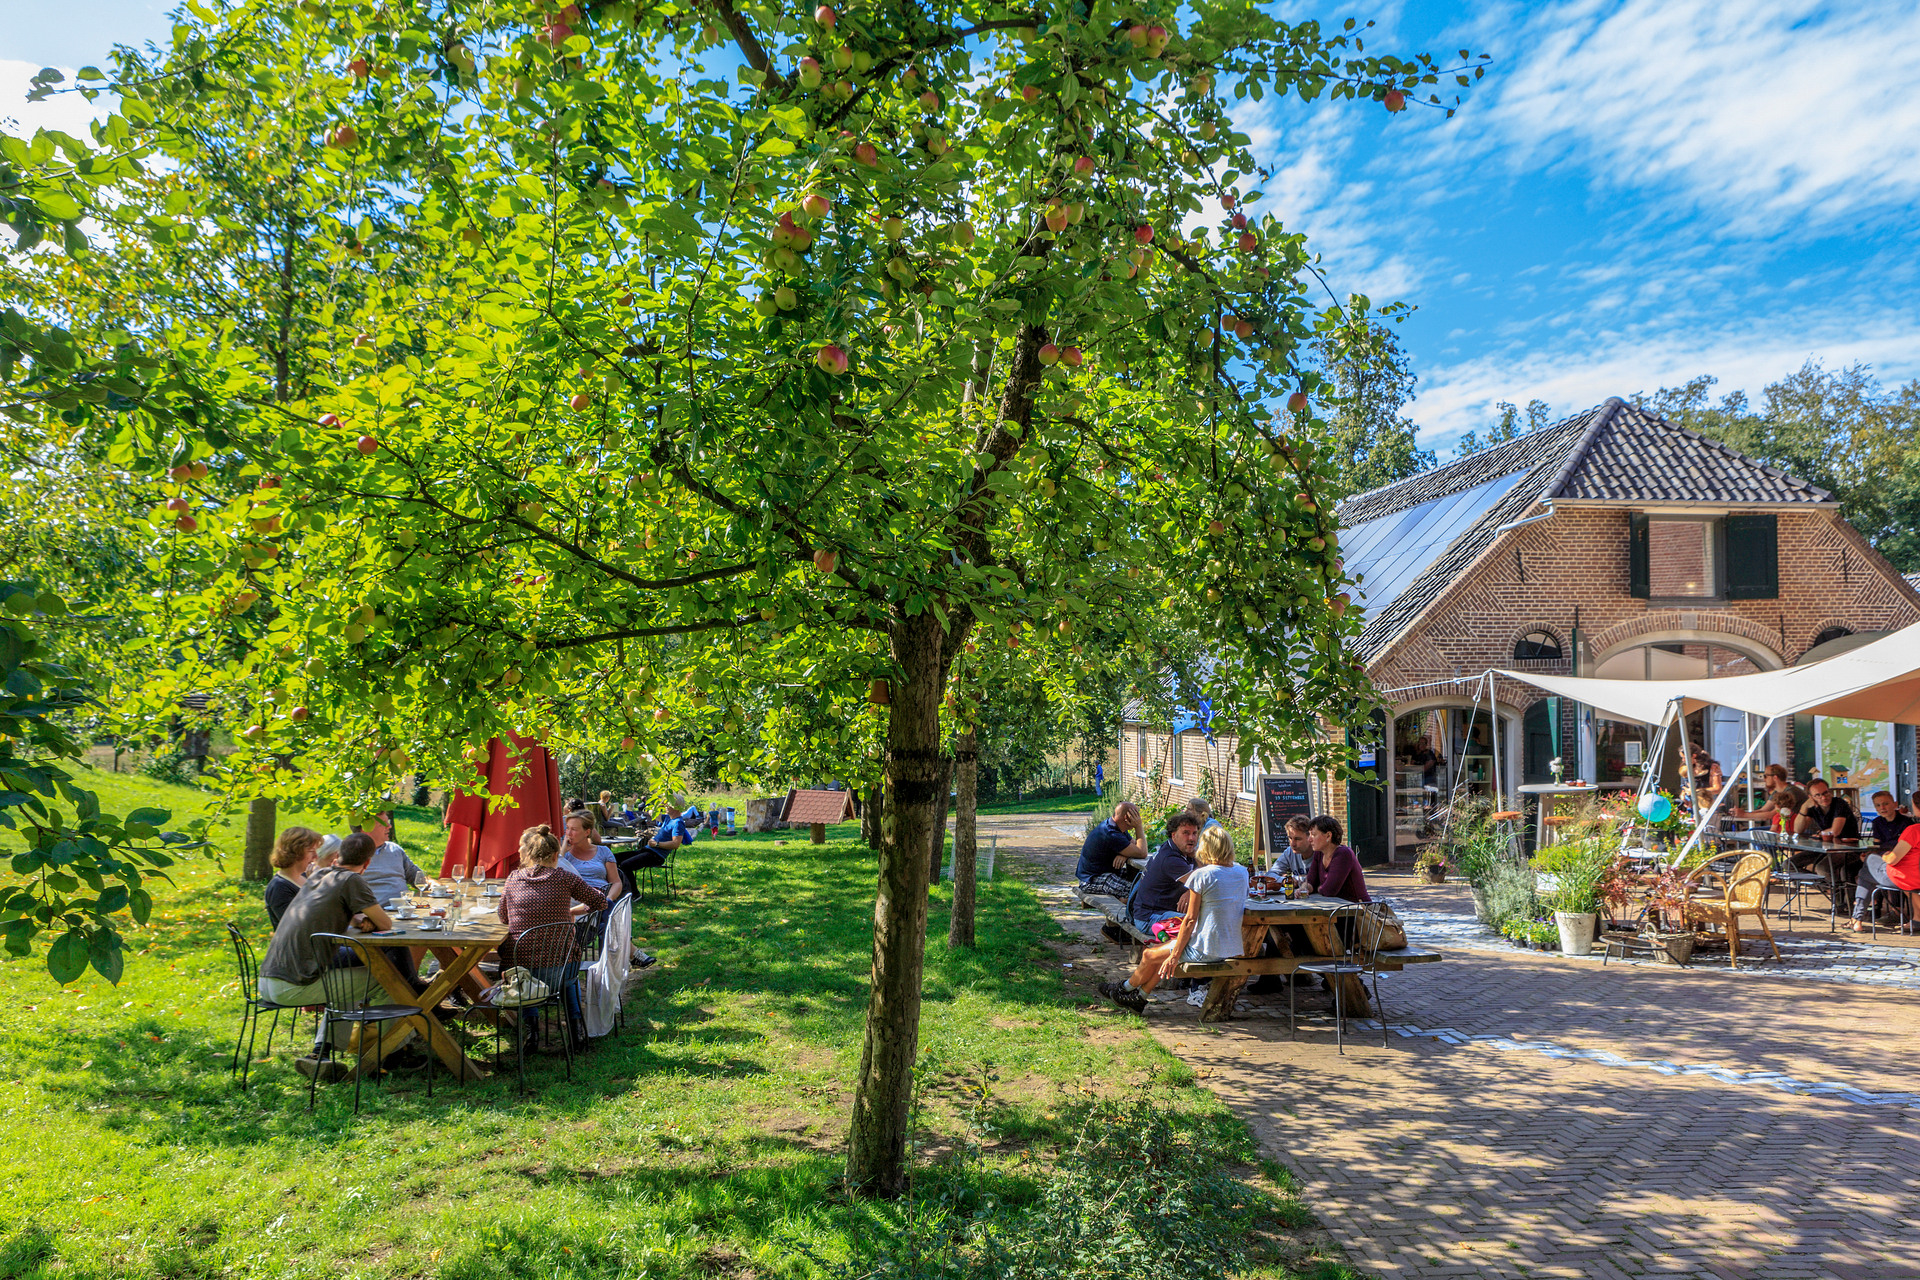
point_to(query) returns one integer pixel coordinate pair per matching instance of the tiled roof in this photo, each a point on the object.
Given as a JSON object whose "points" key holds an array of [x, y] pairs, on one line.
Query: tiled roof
{"points": [[817, 806], [1639, 457], [1612, 452]]}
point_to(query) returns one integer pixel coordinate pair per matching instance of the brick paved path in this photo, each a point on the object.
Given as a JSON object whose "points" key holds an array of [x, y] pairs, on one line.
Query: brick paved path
{"points": [[1434, 1159], [1489, 1158]]}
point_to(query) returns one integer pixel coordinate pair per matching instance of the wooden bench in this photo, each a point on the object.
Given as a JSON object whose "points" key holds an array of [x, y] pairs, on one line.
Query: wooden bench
{"points": [[1116, 913], [1228, 976]]}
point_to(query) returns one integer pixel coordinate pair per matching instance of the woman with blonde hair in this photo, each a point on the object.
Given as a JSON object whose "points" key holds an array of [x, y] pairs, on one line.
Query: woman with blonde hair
{"points": [[541, 892], [292, 857], [1209, 931]]}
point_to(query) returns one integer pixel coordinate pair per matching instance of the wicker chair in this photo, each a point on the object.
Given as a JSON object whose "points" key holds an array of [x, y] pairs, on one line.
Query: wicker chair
{"points": [[1745, 894]]}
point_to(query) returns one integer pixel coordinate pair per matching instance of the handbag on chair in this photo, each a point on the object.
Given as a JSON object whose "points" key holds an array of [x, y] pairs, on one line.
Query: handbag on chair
{"points": [[1381, 929]]}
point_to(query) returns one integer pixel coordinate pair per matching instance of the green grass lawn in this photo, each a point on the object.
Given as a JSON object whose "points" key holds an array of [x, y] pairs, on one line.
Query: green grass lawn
{"points": [[1080, 802], [704, 1140]]}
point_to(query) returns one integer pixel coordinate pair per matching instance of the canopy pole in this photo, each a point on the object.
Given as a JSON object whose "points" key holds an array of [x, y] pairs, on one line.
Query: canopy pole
{"points": [[1714, 808], [1493, 731]]}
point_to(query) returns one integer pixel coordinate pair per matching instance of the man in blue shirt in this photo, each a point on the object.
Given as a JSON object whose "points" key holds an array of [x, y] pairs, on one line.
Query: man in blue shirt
{"points": [[672, 832], [1163, 883], [1103, 857]]}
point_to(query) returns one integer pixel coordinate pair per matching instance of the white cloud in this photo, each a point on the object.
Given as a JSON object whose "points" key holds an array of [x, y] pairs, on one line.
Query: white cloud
{"points": [[1765, 116], [1575, 376]]}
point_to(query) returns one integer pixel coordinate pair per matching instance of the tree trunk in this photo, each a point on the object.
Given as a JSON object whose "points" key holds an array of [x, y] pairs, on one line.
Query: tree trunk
{"points": [[938, 844], [966, 764], [262, 816], [877, 1140]]}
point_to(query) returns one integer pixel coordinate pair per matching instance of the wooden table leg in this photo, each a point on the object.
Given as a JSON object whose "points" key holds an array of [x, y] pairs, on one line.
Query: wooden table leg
{"points": [[454, 966], [1221, 994]]}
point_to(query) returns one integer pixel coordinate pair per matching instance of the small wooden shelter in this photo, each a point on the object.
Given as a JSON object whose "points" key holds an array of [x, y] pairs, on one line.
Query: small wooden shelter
{"points": [[817, 809]]}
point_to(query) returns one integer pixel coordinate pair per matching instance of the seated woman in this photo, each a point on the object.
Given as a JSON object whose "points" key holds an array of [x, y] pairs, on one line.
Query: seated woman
{"points": [[539, 892], [591, 862], [292, 857], [1898, 869], [1335, 869], [1209, 931]]}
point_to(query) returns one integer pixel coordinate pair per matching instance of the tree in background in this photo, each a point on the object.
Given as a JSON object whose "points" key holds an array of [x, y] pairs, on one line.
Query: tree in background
{"points": [[1839, 429], [1510, 425], [893, 334], [1373, 441]]}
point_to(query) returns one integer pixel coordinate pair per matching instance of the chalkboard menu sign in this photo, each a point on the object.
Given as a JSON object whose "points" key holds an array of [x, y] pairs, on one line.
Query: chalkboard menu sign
{"points": [[1282, 795]]}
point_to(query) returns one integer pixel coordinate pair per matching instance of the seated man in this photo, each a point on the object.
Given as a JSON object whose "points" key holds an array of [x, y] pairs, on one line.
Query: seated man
{"points": [[1782, 798], [1888, 825], [333, 900], [1297, 855], [390, 872], [1104, 867], [1826, 816], [672, 832], [1162, 885]]}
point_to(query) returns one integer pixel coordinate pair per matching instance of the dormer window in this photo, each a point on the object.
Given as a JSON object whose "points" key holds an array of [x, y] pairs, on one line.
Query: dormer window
{"points": [[1682, 558]]}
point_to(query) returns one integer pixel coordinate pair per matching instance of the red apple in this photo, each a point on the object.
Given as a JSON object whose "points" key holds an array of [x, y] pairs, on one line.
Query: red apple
{"points": [[1249, 242], [1227, 200], [366, 444], [1297, 402], [359, 67], [1157, 38], [1137, 35], [1239, 222], [1071, 357], [831, 359], [825, 560], [579, 400], [1056, 217], [1143, 235], [343, 137], [555, 33], [815, 205], [1030, 94], [186, 524], [1049, 354], [867, 154], [1216, 528], [826, 17], [1395, 100], [299, 714], [268, 482], [253, 733], [809, 73], [626, 744], [179, 504], [180, 473], [1243, 330], [1083, 167], [660, 715]]}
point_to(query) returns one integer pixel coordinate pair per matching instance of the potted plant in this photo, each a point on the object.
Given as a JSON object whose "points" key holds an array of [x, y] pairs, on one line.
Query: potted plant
{"points": [[1431, 865], [1667, 931], [1580, 869]]}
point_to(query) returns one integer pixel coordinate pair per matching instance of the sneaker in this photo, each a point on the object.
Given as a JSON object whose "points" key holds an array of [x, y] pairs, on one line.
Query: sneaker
{"points": [[641, 960], [408, 1060], [1197, 997], [1133, 1001], [325, 1070]]}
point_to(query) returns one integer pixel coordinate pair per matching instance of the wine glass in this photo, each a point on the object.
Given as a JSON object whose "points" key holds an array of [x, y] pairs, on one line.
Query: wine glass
{"points": [[458, 875]]}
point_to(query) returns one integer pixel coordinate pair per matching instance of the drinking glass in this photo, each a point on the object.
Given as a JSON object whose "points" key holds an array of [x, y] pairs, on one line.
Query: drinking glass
{"points": [[459, 875]]}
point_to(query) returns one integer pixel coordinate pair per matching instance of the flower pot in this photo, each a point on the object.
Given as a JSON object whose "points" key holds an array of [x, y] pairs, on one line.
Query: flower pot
{"points": [[1432, 875], [1671, 948], [1576, 931]]}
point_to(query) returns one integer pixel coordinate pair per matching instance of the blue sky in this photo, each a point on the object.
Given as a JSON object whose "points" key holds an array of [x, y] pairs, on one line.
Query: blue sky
{"points": [[1639, 192]]}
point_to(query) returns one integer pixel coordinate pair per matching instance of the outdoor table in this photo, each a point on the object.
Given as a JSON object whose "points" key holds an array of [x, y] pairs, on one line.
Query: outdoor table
{"points": [[1545, 792], [1798, 883], [1312, 916], [459, 949]]}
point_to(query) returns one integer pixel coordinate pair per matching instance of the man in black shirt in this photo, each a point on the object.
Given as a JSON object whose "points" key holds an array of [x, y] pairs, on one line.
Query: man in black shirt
{"points": [[1825, 816], [1888, 821], [1104, 866], [1161, 884]]}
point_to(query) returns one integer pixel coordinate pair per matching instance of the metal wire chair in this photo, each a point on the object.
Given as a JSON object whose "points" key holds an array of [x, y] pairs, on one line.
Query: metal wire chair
{"points": [[346, 976], [551, 953], [253, 1005], [1358, 957]]}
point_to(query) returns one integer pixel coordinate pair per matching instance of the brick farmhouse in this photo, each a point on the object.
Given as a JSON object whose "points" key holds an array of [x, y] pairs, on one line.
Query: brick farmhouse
{"points": [[1611, 544]]}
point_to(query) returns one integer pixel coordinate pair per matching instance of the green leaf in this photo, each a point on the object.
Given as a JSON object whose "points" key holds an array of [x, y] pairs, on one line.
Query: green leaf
{"points": [[106, 955], [67, 957]]}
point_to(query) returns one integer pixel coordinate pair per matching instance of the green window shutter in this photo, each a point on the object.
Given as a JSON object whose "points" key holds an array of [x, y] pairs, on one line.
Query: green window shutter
{"points": [[1639, 576], [1753, 558]]}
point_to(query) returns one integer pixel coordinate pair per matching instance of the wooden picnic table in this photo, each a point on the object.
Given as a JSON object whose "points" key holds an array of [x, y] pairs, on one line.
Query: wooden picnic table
{"points": [[1302, 930], [460, 950]]}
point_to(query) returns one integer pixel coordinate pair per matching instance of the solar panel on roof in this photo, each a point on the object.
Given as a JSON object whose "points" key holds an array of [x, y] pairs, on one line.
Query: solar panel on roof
{"points": [[1389, 553]]}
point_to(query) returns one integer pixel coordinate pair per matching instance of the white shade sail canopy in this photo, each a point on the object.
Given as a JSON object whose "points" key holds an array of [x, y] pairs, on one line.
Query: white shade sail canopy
{"points": [[1877, 681]]}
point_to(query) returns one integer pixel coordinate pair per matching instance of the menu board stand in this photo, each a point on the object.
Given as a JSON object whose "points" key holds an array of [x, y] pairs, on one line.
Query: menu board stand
{"points": [[1281, 796]]}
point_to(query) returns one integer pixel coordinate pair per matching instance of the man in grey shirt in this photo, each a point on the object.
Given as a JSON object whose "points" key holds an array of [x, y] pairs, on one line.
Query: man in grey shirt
{"points": [[390, 872]]}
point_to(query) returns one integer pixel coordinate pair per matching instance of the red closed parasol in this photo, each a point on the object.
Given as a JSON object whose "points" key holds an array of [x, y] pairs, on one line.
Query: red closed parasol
{"points": [[484, 834]]}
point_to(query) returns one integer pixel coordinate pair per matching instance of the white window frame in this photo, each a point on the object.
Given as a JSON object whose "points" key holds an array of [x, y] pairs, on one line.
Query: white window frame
{"points": [[1176, 758], [1251, 775], [1140, 753]]}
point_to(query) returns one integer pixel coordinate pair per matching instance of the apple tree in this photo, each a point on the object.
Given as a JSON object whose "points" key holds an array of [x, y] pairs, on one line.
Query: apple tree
{"points": [[851, 337]]}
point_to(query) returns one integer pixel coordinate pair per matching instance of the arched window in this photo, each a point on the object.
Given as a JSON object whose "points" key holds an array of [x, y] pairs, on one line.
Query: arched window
{"points": [[1831, 633], [1537, 646]]}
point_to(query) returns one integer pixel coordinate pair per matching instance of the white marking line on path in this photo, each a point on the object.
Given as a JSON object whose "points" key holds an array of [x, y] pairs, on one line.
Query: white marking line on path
{"points": [[1726, 1075]]}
